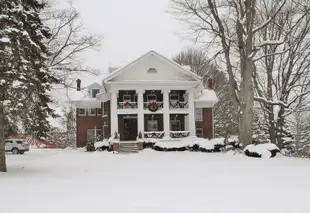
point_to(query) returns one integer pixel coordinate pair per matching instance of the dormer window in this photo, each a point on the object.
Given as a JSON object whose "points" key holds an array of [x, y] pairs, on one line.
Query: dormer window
{"points": [[94, 92], [152, 70]]}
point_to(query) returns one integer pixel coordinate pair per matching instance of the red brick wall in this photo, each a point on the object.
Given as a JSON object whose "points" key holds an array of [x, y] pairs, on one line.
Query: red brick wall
{"points": [[83, 123], [207, 123]]}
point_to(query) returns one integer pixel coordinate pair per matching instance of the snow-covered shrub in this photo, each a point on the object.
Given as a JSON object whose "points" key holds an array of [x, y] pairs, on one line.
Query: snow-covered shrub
{"points": [[149, 143], [90, 147], [266, 150], [103, 145]]}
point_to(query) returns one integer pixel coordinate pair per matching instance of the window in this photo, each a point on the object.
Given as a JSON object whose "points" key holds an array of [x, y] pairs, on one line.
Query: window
{"points": [[99, 111], [198, 114], [152, 125], [175, 125], [94, 135], [152, 70], [92, 111], [199, 132], [106, 108], [151, 97], [174, 97], [95, 92], [126, 98], [82, 111]]}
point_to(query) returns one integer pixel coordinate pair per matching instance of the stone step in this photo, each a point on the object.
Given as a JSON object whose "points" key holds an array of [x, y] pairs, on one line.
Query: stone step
{"points": [[128, 145], [128, 148]]}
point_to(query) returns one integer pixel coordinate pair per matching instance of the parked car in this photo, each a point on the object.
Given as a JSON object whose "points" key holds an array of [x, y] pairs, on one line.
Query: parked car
{"points": [[16, 146]]}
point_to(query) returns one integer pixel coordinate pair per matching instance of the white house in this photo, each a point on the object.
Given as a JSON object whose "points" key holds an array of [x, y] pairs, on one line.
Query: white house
{"points": [[153, 96]]}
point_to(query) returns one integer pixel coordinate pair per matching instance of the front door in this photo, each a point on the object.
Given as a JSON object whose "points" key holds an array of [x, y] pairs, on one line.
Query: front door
{"points": [[130, 129]]}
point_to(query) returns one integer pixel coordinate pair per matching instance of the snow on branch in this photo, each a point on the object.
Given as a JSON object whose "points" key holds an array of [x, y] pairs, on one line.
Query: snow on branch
{"points": [[270, 102], [272, 54], [270, 43]]}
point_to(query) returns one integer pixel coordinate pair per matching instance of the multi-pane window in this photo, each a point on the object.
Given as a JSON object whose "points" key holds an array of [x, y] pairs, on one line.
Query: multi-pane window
{"points": [[92, 111], [82, 111], [174, 97], [152, 125], [126, 98], [151, 97], [94, 135], [175, 125], [99, 111], [95, 92], [198, 114]]}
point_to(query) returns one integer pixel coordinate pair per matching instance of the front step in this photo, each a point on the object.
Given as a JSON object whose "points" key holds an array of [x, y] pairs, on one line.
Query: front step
{"points": [[128, 148]]}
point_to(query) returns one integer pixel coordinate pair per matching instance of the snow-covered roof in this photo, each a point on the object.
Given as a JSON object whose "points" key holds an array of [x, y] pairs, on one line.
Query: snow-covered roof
{"points": [[207, 95], [185, 70]]}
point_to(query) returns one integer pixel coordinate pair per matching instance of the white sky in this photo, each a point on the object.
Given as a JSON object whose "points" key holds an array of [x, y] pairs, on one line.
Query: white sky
{"points": [[130, 28]]}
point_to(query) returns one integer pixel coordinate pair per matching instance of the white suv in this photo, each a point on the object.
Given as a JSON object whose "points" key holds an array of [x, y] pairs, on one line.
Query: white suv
{"points": [[16, 146]]}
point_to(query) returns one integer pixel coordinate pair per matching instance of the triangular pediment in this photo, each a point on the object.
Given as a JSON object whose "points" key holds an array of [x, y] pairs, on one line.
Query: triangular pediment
{"points": [[152, 67]]}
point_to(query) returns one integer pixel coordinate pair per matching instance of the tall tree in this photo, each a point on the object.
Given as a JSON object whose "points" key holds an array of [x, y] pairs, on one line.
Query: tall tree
{"points": [[25, 79], [231, 26], [281, 75], [225, 115]]}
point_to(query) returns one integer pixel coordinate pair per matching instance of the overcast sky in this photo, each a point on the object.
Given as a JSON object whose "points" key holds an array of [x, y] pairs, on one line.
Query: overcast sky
{"points": [[130, 29]]}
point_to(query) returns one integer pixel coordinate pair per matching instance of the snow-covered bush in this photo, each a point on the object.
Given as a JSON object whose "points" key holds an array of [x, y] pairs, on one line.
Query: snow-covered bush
{"points": [[103, 145], [266, 150]]}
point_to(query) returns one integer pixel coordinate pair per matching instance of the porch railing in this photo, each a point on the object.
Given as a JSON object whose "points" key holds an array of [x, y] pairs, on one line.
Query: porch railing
{"points": [[179, 134], [157, 135], [150, 104], [178, 105], [127, 105]]}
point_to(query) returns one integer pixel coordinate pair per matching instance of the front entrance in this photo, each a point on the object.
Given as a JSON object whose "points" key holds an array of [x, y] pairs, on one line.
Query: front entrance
{"points": [[128, 128]]}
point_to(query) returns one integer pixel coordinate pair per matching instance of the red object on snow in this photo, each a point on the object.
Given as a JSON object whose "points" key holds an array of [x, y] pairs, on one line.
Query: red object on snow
{"points": [[126, 104], [50, 145], [153, 104]]}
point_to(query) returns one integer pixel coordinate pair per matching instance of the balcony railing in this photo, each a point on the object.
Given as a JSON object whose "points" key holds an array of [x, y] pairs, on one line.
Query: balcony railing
{"points": [[151, 105], [127, 105], [156, 135], [178, 105], [179, 134]]}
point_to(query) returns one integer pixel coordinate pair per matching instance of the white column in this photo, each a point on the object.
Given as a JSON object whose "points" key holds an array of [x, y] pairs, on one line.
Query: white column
{"points": [[140, 111], [191, 113], [166, 93], [114, 117]]}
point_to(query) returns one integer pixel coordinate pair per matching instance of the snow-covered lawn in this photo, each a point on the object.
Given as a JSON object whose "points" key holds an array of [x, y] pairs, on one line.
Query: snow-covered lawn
{"points": [[55, 181]]}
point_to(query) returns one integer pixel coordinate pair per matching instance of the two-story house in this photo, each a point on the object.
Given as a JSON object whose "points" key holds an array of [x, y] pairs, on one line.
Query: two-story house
{"points": [[152, 95]]}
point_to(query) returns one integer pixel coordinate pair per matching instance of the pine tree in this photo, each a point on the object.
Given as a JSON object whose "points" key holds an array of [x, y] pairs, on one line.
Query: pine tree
{"points": [[24, 78]]}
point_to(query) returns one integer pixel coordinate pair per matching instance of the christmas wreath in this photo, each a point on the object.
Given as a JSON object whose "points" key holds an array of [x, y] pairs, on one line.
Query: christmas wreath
{"points": [[153, 107]]}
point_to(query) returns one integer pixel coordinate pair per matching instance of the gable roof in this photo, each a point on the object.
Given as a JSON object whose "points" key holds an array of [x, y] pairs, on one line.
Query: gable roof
{"points": [[94, 85], [181, 68]]}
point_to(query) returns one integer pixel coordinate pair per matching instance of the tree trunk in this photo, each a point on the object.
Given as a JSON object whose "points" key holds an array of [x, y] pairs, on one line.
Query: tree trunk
{"points": [[280, 126], [246, 106], [3, 167]]}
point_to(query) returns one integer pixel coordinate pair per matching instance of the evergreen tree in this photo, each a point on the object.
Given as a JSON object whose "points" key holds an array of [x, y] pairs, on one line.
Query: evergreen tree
{"points": [[24, 78]]}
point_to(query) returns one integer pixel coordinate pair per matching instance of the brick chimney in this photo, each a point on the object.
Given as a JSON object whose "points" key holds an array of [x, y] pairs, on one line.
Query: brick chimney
{"points": [[210, 83], [78, 84]]}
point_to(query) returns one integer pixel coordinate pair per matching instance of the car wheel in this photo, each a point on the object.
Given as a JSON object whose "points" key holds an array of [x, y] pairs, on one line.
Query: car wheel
{"points": [[15, 151], [21, 152]]}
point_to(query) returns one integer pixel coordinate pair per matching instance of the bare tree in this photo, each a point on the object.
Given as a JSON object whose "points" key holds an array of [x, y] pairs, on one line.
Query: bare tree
{"points": [[69, 40], [225, 115], [231, 26], [281, 75]]}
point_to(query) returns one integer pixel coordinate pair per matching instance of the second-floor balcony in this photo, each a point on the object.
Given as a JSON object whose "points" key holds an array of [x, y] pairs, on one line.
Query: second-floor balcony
{"points": [[153, 100]]}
